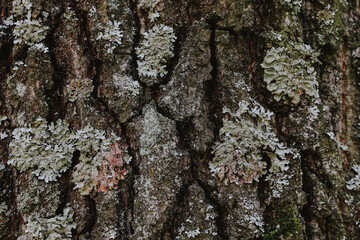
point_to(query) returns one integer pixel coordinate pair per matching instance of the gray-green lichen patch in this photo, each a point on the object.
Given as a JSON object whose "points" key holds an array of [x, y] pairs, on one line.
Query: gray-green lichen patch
{"points": [[198, 217], [79, 89], [162, 165], [27, 86], [330, 20], [108, 219], [184, 96], [36, 196], [111, 35], [246, 136], [290, 74], [27, 30], [112, 28], [121, 91], [94, 148], [58, 227], [150, 5], [154, 51], [47, 148], [354, 183]]}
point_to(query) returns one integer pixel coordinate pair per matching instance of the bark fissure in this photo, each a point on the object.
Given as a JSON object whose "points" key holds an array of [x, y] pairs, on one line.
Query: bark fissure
{"points": [[308, 188], [54, 96], [211, 86]]}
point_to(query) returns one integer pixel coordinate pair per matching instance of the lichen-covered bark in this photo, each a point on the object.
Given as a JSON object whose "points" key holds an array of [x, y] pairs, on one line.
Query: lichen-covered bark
{"points": [[155, 95]]}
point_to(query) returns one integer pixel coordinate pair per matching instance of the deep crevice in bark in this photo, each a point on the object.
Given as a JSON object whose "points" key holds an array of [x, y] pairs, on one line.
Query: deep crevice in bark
{"points": [[92, 215], [219, 209], [308, 188], [211, 86], [66, 184], [54, 96], [130, 186], [169, 225]]}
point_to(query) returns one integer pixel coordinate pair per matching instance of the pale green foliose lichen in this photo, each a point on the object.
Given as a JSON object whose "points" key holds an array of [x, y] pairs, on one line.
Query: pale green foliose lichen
{"points": [[93, 146], [79, 89], [354, 183], [111, 35], [150, 4], [48, 151], [47, 148], [289, 72], [26, 30], [154, 51], [246, 135], [58, 227], [294, 4]]}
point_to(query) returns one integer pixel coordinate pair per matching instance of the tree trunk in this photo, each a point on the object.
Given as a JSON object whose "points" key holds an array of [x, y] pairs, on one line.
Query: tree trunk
{"points": [[159, 119]]}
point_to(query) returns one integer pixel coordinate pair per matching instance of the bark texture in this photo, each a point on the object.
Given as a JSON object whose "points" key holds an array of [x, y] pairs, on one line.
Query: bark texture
{"points": [[241, 119]]}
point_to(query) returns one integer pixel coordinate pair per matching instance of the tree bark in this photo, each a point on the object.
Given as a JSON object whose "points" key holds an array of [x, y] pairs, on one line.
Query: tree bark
{"points": [[240, 118]]}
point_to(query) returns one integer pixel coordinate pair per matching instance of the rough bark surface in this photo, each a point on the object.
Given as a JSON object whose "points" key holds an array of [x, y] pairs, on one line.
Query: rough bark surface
{"points": [[169, 79]]}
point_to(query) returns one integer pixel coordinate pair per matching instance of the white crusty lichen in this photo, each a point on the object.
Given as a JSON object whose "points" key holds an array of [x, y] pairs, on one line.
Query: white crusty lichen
{"points": [[354, 183], [26, 30], [245, 137], [79, 89], [111, 35], [289, 72], [58, 227], [46, 148], [154, 51]]}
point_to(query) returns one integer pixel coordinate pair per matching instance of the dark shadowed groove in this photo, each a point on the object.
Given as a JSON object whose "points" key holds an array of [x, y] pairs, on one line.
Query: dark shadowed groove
{"points": [[212, 86], [129, 206], [54, 96], [8, 182], [195, 176], [181, 197], [308, 188], [91, 205], [66, 185], [219, 209], [136, 41]]}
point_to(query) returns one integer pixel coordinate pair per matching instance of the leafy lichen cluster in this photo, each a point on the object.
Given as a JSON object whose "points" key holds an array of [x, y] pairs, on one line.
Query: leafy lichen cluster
{"points": [[150, 5], [58, 227], [330, 20], [156, 48], [246, 136], [354, 183], [111, 35], [27, 30], [289, 72], [94, 149], [49, 148], [293, 4], [48, 151], [79, 89]]}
